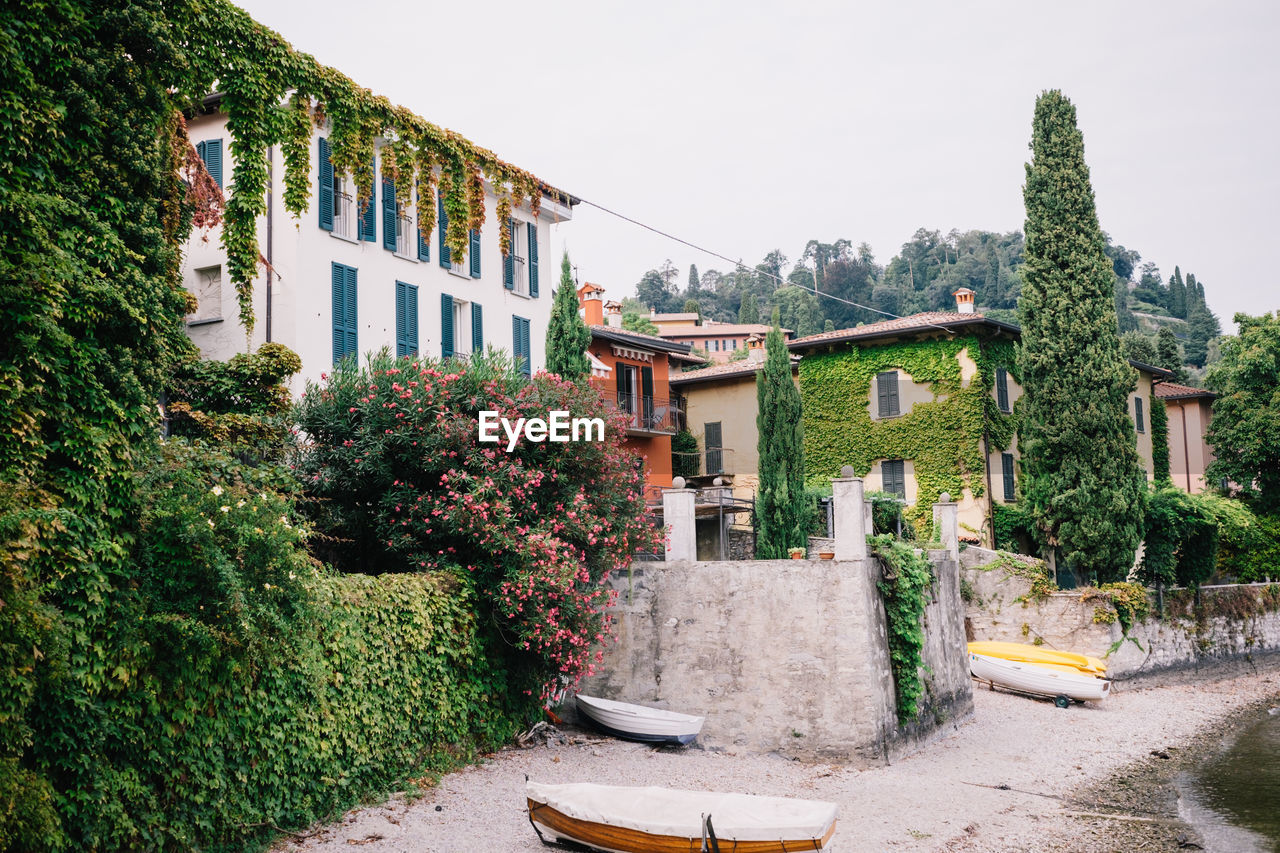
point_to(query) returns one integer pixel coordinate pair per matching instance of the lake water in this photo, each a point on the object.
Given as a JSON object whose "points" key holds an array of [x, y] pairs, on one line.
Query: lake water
{"points": [[1234, 798]]}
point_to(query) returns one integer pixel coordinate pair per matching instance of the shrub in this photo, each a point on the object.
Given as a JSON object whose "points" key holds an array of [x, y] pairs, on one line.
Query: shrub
{"points": [[906, 576], [1181, 539], [402, 483], [684, 455], [887, 513]]}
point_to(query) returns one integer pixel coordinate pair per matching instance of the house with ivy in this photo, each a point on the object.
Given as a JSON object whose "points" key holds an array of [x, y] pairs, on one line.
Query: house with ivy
{"points": [[369, 264], [927, 404]]}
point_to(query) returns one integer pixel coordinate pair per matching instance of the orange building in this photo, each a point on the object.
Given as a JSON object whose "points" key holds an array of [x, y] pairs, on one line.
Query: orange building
{"points": [[1190, 410], [632, 370]]}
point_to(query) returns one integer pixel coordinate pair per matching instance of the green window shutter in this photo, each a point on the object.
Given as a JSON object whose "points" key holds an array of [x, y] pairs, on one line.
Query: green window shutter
{"points": [[388, 215], [887, 393], [1002, 389], [442, 224], [339, 313], [446, 325], [369, 216], [1006, 464], [424, 245], [474, 251], [711, 440], [350, 282], [646, 394], [402, 319], [509, 260], [210, 152], [533, 259], [324, 196], [411, 315], [520, 344], [1138, 416], [477, 327], [893, 473]]}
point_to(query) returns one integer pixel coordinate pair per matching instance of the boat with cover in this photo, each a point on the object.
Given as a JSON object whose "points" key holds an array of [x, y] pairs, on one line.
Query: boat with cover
{"points": [[1062, 683], [665, 820], [1038, 654], [638, 722]]}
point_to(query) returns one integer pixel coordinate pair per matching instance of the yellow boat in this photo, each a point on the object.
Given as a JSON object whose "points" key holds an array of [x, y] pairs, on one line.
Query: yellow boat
{"points": [[1027, 653]]}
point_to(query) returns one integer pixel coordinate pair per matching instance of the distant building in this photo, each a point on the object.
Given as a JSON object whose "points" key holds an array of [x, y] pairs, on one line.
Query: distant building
{"points": [[1190, 410], [720, 340]]}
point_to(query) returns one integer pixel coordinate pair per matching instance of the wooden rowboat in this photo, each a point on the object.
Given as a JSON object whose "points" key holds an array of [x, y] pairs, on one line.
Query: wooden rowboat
{"points": [[663, 820], [1038, 654], [638, 722], [1060, 682]]}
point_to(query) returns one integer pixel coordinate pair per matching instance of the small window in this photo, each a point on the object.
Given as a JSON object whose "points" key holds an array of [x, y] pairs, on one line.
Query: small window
{"points": [[887, 394], [345, 316], [1006, 463], [406, 319], [1002, 389], [520, 344], [893, 472], [1138, 417], [210, 152], [208, 295], [712, 440]]}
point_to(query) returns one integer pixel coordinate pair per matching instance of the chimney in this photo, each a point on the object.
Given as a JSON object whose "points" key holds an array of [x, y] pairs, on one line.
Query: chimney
{"points": [[592, 307], [964, 300], [613, 314], [755, 348]]}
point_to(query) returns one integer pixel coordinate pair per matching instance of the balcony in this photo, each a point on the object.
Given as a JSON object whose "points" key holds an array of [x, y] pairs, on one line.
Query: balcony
{"points": [[646, 416]]}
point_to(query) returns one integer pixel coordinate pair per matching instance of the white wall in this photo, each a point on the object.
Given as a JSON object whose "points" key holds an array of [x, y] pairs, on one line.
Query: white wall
{"points": [[302, 256]]}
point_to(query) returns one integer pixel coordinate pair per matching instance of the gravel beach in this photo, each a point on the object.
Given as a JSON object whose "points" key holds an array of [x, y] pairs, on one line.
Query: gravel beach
{"points": [[1021, 774]]}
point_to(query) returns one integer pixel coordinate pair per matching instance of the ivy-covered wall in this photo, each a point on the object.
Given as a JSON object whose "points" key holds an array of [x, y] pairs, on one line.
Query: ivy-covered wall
{"points": [[943, 437]]}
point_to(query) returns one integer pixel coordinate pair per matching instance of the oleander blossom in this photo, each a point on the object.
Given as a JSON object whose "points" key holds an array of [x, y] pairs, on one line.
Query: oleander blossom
{"points": [[403, 482]]}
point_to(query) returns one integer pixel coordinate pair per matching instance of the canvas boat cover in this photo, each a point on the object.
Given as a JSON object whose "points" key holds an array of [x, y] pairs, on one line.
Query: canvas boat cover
{"points": [[665, 811]]}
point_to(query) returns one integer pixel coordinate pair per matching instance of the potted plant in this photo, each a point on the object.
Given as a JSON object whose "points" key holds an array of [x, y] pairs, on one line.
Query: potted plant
{"points": [[796, 553], [826, 555]]}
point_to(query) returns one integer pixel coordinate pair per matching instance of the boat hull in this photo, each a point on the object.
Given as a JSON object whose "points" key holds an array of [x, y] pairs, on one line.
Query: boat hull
{"points": [[614, 819], [1039, 680], [639, 723], [1037, 654]]}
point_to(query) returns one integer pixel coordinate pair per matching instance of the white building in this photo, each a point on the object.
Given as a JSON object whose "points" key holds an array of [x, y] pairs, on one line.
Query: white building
{"points": [[351, 283]]}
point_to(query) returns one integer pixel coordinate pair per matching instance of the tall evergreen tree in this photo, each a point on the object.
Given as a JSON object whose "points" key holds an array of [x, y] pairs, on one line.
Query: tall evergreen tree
{"points": [[691, 306], [780, 505], [749, 309], [1083, 480], [567, 336], [1167, 355], [695, 283], [1177, 295]]}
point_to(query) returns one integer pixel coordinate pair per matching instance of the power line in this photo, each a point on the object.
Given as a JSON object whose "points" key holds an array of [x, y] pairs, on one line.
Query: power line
{"points": [[741, 265]]}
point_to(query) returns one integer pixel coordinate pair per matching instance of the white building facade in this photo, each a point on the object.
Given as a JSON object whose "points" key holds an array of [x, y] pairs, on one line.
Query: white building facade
{"points": [[348, 281]]}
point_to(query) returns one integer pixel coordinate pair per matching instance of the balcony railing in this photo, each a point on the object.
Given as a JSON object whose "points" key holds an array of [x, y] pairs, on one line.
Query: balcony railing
{"points": [[703, 463], [646, 415]]}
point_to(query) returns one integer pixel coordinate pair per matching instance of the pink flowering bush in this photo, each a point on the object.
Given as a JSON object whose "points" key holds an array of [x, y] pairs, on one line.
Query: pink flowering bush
{"points": [[400, 482]]}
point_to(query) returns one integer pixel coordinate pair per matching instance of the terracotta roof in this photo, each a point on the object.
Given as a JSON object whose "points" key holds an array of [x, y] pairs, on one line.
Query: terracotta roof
{"points": [[708, 330], [728, 370], [916, 322], [667, 318], [1174, 391], [687, 357], [626, 336]]}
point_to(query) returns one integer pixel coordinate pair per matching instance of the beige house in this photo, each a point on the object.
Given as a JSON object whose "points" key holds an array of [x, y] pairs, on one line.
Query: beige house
{"points": [[1190, 410]]}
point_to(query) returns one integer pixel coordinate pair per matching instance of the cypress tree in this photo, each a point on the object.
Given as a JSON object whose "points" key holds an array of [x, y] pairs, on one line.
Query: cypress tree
{"points": [[1083, 481], [695, 283], [567, 336], [780, 500], [1167, 355], [748, 309], [1177, 295]]}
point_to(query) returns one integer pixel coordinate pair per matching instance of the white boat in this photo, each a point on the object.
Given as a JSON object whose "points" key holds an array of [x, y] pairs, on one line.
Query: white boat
{"points": [[1060, 682], [638, 722], [663, 820]]}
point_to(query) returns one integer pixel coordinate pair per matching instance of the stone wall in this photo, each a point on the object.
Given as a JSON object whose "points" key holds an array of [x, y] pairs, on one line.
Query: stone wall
{"points": [[781, 656], [1233, 621]]}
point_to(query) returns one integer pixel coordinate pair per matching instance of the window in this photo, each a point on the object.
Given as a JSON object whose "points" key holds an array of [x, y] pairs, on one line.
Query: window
{"points": [[627, 388], [344, 218], [344, 312], [1006, 463], [1138, 417], [208, 295], [455, 321], [210, 152], [397, 227], [367, 220], [887, 394], [892, 472], [406, 319], [520, 266], [520, 344], [713, 441], [477, 327], [1002, 389]]}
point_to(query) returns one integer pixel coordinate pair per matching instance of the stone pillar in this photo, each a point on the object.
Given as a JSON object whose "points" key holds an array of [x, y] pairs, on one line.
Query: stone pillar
{"points": [[677, 518], [946, 518], [850, 516]]}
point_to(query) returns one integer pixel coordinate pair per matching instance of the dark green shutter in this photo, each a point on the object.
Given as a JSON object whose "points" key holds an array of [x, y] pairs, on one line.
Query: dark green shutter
{"points": [[324, 195], [210, 152], [477, 327], [1006, 463], [1002, 389], [533, 259], [894, 475], [509, 259], [442, 223], [411, 316], [520, 344], [446, 325], [369, 216], [402, 319], [1138, 415], [339, 313], [711, 442], [352, 318], [475, 253], [646, 395], [887, 393], [424, 245], [388, 215]]}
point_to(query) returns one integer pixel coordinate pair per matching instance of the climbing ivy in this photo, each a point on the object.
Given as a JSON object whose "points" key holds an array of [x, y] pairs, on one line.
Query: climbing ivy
{"points": [[906, 577], [942, 437]]}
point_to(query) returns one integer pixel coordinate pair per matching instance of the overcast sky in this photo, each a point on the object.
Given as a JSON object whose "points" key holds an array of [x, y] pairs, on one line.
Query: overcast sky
{"points": [[746, 127]]}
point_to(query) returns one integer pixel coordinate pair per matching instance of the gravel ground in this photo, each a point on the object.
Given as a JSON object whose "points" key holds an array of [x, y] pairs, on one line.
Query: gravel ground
{"points": [[1020, 775]]}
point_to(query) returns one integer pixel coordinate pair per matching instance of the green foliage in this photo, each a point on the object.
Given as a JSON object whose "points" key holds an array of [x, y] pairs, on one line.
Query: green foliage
{"points": [[906, 577], [567, 336], [1082, 478], [1245, 430], [749, 310], [1167, 354], [1138, 347], [889, 515], [401, 483], [635, 322], [1014, 527], [685, 460], [1181, 538], [1248, 544], [1159, 440], [1126, 602], [241, 402], [780, 498], [943, 437]]}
